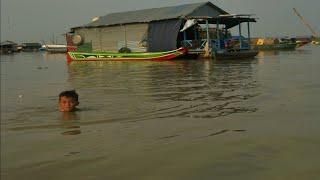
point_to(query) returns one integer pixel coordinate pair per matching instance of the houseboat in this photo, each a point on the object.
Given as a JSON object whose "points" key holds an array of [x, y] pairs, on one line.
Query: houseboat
{"points": [[31, 47], [165, 29], [8, 47]]}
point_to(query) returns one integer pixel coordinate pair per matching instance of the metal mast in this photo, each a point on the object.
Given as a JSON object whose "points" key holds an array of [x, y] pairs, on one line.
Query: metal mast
{"points": [[314, 33]]}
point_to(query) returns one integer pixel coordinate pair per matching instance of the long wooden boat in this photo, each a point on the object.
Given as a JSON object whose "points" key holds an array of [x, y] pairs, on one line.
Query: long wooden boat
{"points": [[134, 56], [56, 48], [280, 46]]}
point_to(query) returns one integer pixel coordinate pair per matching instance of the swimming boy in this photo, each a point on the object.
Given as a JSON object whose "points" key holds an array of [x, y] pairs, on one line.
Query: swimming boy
{"points": [[68, 100]]}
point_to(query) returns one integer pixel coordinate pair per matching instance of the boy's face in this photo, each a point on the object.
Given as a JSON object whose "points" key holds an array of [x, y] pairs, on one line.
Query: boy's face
{"points": [[67, 104]]}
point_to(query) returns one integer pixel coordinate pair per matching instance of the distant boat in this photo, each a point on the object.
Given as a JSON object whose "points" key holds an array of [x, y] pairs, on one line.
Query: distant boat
{"points": [[56, 48], [301, 41], [281, 46], [135, 56], [273, 44], [316, 37], [315, 41]]}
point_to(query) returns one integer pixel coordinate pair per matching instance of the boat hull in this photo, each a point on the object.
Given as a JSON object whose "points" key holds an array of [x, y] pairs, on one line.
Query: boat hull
{"points": [[56, 48], [301, 43], [244, 54], [111, 56], [281, 46]]}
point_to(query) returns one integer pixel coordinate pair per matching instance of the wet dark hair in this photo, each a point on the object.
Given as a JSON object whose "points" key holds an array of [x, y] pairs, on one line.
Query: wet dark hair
{"points": [[71, 94]]}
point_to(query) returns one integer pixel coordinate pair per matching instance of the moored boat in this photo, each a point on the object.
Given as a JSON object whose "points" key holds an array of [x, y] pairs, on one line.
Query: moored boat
{"points": [[232, 55], [302, 40], [273, 44], [301, 43], [56, 48], [280, 46], [134, 56], [315, 41]]}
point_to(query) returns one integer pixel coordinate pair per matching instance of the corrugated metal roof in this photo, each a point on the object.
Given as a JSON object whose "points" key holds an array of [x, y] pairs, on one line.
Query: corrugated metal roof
{"points": [[6, 43], [148, 15]]}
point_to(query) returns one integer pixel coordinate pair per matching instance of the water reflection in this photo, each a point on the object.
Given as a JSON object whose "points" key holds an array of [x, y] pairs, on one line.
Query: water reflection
{"points": [[263, 54], [37, 119], [194, 89], [69, 116], [270, 53], [72, 132], [70, 123], [303, 51], [205, 89], [53, 56]]}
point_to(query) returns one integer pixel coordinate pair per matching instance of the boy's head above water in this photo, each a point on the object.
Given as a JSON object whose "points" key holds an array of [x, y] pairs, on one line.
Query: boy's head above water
{"points": [[68, 100]]}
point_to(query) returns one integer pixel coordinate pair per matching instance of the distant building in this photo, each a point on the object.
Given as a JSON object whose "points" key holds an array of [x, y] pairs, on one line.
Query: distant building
{"points": [[8, 47], [150, 30], [31, 47]]}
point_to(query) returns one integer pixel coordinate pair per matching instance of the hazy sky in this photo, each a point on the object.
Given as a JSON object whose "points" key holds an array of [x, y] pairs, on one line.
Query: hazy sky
{"points": [[40, 20]]}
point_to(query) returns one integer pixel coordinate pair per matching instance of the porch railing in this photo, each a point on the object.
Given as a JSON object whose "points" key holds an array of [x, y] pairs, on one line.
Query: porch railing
{"points": [[231, 44], [194, 44]]}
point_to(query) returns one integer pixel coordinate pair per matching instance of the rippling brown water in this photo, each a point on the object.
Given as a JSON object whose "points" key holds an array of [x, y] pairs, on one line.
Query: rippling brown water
{"points": [[187, 119]]}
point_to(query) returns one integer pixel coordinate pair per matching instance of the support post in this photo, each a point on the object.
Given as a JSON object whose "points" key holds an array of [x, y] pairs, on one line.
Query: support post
{"points": [[195, 33], [208, 46], [184, 38], [218, 35], [249, 35], [100, 39], [240, 35], [207, 28], [225, 32], [125, 36]]}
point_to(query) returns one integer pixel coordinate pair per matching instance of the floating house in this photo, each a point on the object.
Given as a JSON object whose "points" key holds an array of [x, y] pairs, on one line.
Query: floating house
{"points": [[29, 47], [161, 29], [8, 47]]}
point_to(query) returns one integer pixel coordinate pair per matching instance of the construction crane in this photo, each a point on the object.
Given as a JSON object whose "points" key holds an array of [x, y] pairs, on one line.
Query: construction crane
{"points": [[314, 33]]}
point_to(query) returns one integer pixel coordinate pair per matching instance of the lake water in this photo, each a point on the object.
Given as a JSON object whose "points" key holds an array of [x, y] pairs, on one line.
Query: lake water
{"points": [[187, 119]]}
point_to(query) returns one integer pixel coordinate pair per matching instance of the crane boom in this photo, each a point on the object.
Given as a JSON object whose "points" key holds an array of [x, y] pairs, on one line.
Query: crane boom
{"points": [[314, 33]]}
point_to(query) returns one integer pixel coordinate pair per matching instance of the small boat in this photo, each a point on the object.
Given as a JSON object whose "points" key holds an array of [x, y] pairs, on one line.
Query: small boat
{"points": [[134, 56], [315, 41], [56, 48], [301, 43], [302, 40]]}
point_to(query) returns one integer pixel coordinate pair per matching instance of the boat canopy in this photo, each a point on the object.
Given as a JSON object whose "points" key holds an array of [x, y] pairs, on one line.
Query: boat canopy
{"points": [[229, 20]]}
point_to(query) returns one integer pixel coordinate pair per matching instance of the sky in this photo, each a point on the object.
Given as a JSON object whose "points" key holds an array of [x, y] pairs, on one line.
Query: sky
{"points": [[47, 20]]}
